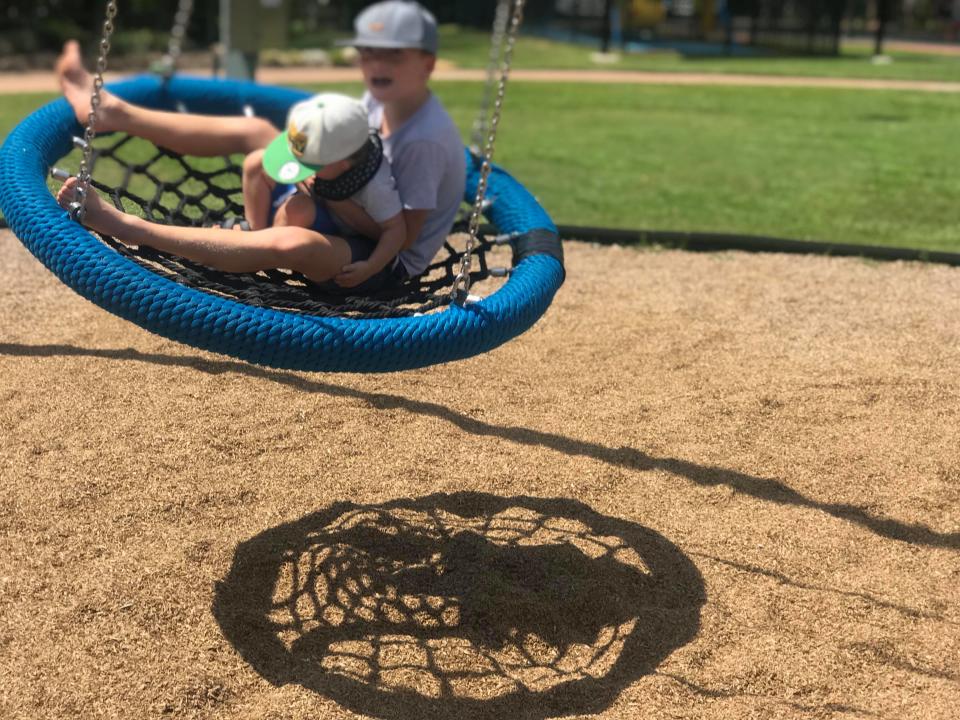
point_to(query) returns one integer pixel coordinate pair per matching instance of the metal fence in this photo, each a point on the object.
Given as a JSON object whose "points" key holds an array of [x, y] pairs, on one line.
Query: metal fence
{"points": [[804, 26]]}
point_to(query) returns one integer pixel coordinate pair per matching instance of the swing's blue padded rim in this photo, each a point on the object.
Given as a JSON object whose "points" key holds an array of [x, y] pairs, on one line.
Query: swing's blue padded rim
{"points": [[259, 335]]}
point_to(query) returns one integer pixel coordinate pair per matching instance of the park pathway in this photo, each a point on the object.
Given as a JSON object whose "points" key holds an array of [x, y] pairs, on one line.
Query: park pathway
{"points": [[28, 82]]}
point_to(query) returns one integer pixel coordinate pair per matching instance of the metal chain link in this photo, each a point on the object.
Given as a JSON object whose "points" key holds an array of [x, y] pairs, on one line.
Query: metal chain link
{"points": [[461, 284], [168, 64], [496, 46], [79, 206]]}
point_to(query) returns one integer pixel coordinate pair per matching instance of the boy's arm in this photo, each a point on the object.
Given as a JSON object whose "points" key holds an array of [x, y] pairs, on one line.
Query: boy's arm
{"points": [[357, 218], [257, 188], [393, 235], [419, 169], [414, 221]]}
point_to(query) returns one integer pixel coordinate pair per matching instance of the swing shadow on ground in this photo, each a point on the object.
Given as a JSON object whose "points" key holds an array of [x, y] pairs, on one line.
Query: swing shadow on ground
{"points": [[766, 489], [460, 606]]}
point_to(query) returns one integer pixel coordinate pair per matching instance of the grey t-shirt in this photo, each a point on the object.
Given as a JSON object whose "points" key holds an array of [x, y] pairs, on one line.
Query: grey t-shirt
{"points": [[426, 154]]}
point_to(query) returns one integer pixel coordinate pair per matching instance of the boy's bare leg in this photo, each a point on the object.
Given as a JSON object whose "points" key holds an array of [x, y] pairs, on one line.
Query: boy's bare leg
{"points": [[319, 257], [183, 133]]}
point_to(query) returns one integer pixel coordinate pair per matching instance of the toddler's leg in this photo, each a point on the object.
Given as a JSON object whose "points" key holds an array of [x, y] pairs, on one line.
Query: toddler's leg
{"points": [[299, 211]]}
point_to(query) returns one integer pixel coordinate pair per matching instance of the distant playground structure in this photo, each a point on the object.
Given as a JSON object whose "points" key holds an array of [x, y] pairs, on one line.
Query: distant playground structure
{"points": [[703, 27]]}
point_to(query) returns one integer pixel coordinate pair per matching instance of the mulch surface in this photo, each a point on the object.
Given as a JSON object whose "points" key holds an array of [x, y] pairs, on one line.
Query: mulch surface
{"points": [[702, 486]]}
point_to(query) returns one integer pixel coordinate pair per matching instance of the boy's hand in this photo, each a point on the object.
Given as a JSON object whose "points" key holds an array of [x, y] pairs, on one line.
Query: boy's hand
{"points": [[306, 186], [353, 274]]}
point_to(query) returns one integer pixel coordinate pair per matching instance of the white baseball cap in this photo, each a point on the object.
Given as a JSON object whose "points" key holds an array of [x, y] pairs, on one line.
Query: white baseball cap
{"points": [[322, 130]]}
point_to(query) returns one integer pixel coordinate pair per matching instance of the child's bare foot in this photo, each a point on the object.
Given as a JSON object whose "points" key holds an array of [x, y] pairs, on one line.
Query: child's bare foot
{"points": [[77, 86], [98, 215]]}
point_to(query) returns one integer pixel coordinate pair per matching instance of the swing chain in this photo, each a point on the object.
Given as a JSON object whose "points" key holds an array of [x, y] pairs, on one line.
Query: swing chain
{"points": [[168, 65], [78, 207], [461, 284], [496, 50]]}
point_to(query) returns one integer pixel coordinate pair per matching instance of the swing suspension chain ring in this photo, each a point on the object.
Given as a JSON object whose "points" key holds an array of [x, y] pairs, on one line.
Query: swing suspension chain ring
{"points": [[78, 207], [461, 284], [496, 47]]}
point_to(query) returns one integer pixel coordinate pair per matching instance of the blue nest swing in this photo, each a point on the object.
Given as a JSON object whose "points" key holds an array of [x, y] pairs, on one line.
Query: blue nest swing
{"points": [[263, 335]]}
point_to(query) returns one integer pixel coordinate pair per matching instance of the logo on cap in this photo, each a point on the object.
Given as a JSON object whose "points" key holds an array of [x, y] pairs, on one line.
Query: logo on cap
{"points": [[298, 140], [375, 27], [288, 171]]}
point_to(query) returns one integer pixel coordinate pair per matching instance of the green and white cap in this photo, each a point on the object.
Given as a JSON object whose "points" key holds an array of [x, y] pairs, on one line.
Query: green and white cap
{"points": [[322, 130]]}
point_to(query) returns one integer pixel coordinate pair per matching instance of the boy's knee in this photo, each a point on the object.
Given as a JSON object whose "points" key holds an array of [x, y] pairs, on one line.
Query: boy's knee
{"points": [[317, 256], [298, 211], [296, 248]]}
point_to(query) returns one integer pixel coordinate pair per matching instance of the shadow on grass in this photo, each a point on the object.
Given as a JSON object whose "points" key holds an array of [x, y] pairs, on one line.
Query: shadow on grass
{"points": [[465, 605], [767, 489]]}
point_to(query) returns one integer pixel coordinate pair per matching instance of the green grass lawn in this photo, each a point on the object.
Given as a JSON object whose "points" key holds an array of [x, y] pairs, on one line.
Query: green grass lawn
{"points": [[860, 167], [471, 49], [831, 165]]}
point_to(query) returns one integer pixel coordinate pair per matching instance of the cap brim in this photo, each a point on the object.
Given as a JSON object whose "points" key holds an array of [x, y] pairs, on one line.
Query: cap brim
{"points": [[282, 165], [377, 43]]}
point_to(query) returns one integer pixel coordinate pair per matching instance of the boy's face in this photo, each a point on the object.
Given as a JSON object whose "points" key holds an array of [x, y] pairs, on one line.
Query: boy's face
{"points": [[333, 170], [392, 74]]}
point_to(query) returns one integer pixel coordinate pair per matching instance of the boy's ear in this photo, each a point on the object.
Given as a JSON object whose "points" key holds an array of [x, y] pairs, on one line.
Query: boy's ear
{"points": [[430, 62]]}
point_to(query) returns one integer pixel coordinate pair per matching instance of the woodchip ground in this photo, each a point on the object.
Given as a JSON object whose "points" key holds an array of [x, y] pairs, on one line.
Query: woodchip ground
{"points": [[702, 486], [43, 81]]}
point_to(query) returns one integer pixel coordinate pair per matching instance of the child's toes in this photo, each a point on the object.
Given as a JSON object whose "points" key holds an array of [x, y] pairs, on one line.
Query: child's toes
{"points": [[65, 196]]}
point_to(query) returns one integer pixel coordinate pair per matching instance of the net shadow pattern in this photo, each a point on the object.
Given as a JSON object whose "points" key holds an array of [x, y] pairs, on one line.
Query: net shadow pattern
{"points": [[173, 189], [464, 605]]}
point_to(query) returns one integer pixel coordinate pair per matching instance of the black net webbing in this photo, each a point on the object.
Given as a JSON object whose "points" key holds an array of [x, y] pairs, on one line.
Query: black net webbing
{"points": [[171, 189]]}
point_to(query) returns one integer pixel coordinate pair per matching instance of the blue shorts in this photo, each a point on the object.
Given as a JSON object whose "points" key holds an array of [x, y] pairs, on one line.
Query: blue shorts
{"points": [[361, 247], [322, 223]]}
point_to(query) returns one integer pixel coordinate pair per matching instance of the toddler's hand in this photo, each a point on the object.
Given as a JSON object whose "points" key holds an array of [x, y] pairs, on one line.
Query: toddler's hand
{"points": [[353, 274]]}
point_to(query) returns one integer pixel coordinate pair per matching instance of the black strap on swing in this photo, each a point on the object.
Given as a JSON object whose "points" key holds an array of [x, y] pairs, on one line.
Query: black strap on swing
{"points": [[172, 189]]}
